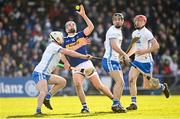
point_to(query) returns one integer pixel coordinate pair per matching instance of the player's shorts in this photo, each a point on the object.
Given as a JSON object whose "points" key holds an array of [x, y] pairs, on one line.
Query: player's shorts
{"points": [[85, 65], [145, 67], [110, 65], [40, 76]]}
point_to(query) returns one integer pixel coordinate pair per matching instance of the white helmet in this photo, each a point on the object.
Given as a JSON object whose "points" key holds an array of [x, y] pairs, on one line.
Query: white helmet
{"points": [[56, 36]]}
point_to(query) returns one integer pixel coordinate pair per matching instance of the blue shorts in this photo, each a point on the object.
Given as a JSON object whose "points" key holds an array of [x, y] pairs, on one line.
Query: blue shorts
{"points": [[145, 67], [39, 76], [110, 65]]}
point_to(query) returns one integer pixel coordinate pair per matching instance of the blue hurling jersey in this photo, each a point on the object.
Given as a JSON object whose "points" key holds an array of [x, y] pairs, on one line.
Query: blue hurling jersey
{"points": [[71, 41]]}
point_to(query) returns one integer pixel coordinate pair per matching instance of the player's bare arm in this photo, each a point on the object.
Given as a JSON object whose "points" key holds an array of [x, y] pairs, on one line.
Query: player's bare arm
{"points": [[154, 47], [90, 26], [118, 50], [75, 54]]}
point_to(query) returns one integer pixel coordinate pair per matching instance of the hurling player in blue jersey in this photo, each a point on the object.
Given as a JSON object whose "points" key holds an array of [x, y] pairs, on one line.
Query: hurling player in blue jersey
{"points": [[77, 41]]}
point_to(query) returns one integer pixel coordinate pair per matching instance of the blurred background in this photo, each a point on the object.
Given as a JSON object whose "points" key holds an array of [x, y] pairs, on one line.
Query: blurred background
{"points": [[26, 24]]}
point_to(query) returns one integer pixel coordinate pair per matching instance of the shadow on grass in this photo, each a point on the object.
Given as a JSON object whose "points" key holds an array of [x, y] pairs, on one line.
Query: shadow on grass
{"points": [[31, 116], [64, 115], [88, 114]]}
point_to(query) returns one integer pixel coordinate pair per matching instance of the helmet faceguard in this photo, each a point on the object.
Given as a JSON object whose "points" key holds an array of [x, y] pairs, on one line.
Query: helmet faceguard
{"points": [[57, 36]]}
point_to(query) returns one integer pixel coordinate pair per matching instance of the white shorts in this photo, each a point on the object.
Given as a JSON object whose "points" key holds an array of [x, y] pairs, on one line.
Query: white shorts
{"points": [[85, 65]]}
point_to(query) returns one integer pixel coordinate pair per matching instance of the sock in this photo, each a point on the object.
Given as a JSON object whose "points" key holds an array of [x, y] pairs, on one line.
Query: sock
{"points": [[38, 110], [133, 99], [162, 87], [48, 96], [116, 102], [84, 105]]}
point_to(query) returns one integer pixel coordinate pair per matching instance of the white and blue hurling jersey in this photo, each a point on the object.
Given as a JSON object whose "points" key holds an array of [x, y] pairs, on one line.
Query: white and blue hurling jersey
{"points": [[115, 34], [143, 43], [50, 59]]}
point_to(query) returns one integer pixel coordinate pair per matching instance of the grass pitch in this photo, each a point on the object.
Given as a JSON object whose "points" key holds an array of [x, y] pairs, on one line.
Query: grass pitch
{"points": [[149, 107]]}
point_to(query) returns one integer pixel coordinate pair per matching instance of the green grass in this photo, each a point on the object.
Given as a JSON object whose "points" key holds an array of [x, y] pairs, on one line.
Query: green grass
{"points": [[149, 107]]}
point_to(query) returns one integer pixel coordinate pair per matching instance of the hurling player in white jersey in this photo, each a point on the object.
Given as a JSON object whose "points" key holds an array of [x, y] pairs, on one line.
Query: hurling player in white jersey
{"points": [[110, 61], [42, 72], [143, 59]]}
